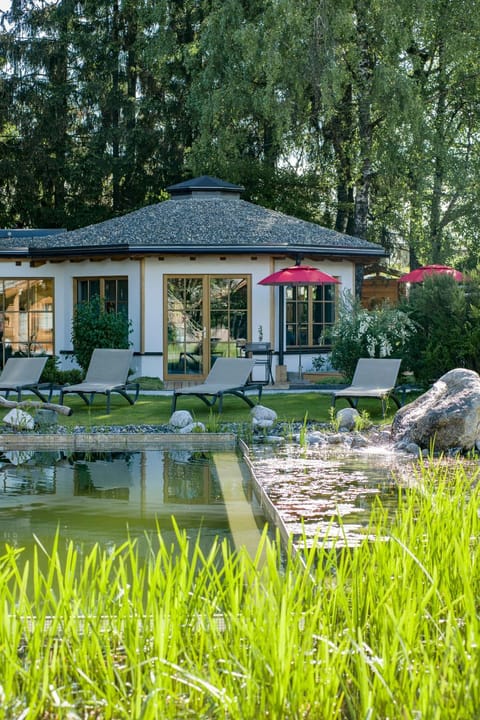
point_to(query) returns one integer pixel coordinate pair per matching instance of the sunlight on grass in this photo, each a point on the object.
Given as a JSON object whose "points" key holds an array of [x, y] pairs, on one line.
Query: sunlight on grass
{"points": [[388, 630], [156, 410]]}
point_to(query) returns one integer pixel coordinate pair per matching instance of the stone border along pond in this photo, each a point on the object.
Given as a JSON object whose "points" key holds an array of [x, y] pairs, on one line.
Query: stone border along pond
{"points": [[229, 435], [102, 438]]}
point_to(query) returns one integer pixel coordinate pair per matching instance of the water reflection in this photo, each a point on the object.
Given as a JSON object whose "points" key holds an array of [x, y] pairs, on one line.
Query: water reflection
{"points": [[328, 490], [106, 497], [26, 473]]}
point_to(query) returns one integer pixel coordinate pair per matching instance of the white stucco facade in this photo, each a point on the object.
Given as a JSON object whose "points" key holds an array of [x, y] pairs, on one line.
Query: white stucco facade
{"points": [[146, 297]]}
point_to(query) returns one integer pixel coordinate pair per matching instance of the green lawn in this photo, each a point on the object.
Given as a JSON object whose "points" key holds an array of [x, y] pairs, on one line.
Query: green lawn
{"points": [[156, 409]]}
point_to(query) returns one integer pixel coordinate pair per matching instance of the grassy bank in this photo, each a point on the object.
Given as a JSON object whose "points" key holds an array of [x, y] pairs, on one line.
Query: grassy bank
{"points": [[156, 409], [389, 630]]}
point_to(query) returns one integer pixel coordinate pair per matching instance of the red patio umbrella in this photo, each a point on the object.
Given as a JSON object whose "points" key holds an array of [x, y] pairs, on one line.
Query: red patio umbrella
{"points": [[295, 276], [298, 275], [419, 274]]}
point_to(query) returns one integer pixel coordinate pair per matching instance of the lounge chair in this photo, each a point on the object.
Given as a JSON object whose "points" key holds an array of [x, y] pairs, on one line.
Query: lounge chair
{"points": [[228, 376], [374, 378], [23, 373], [107, 373]]}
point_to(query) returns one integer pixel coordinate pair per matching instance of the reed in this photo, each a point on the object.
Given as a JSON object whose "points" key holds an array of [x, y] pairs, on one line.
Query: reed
{"points": [[390, 629]]}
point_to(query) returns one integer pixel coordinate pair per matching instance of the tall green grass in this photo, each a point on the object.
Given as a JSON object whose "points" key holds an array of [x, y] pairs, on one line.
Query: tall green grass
{"points": [[387, 630]]}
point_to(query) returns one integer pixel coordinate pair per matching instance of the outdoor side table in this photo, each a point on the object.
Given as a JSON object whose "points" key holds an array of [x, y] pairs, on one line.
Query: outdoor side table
{"points": [[262, 353]]}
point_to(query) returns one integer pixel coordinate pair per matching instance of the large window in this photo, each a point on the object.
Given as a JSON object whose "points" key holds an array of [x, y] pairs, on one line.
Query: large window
{"points": [[26, 317], [206, 317], [112, 290], [310, 312]]}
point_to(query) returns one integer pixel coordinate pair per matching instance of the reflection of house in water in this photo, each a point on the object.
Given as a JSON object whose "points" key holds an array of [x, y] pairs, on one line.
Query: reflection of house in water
{"points": [[191, 481], [201, 493], [108, 476], [27, 473]]}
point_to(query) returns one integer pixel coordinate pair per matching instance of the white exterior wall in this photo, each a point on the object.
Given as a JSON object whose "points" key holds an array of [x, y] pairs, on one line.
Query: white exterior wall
{"points": [[63, 274], [263, 299]]}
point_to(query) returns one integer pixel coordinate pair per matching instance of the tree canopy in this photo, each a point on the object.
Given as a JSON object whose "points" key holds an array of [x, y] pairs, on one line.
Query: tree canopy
{"points": [[360, 115]]}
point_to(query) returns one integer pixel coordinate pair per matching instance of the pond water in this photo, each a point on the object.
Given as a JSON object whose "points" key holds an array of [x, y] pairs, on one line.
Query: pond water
{"points": [[105, 497], [92, 497], [330, 489]]}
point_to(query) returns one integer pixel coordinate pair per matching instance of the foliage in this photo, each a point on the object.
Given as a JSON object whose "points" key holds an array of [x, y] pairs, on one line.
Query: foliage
{"points": [[52, 374], [213, 424], [358, 333], [472, 325], [362, 421], [95, 327], [150, 383], [334, 419], [447, 320], [318, 363], [94, 113], [371, 127], [303, 436], [175, 633]]}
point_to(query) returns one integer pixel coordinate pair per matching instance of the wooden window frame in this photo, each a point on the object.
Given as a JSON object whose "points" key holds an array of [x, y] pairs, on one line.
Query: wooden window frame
{"points": [[310, 344], [101, 279]]}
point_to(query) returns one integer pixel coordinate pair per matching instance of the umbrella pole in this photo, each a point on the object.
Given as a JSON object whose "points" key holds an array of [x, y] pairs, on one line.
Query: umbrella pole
{"points": [[281, 323], [299, 330]]}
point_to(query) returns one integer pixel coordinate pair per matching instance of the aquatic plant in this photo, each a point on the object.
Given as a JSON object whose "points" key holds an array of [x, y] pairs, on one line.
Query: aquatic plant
{"points": [[213, 423], [362, 420], [303, 432], [389, 629], [289, 430], [333, 419]]}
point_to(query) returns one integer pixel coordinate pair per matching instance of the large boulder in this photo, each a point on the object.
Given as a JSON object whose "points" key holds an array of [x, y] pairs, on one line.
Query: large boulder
{"points": [[447, 416]]}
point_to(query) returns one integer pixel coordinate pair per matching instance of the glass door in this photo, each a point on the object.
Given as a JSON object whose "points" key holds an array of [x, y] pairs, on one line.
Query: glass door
{"points": [[206, 318], [228, 315], [186, 329]]}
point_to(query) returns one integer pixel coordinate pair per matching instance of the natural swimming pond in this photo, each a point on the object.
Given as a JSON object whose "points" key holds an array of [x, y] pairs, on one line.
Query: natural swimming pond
{"points": [[105, 497], [330, 490]]}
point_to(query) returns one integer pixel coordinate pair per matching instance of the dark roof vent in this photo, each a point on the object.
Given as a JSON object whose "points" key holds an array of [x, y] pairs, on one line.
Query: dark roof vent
{"points": [[206, 187]]}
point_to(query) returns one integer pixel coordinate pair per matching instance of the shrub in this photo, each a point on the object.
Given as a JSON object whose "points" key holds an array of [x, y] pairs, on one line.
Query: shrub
{"points": [[358, 332], [94, 327], [52, 374], [472, 328], [447, 327]]}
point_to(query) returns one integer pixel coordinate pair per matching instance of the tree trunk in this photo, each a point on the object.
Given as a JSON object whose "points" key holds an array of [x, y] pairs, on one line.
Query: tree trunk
{"points": [[364, 83], [436, 243], [115, 111]]}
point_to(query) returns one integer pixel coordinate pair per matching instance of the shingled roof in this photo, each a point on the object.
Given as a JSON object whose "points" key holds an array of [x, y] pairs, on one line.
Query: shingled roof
{"points": [[203, 215]]}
